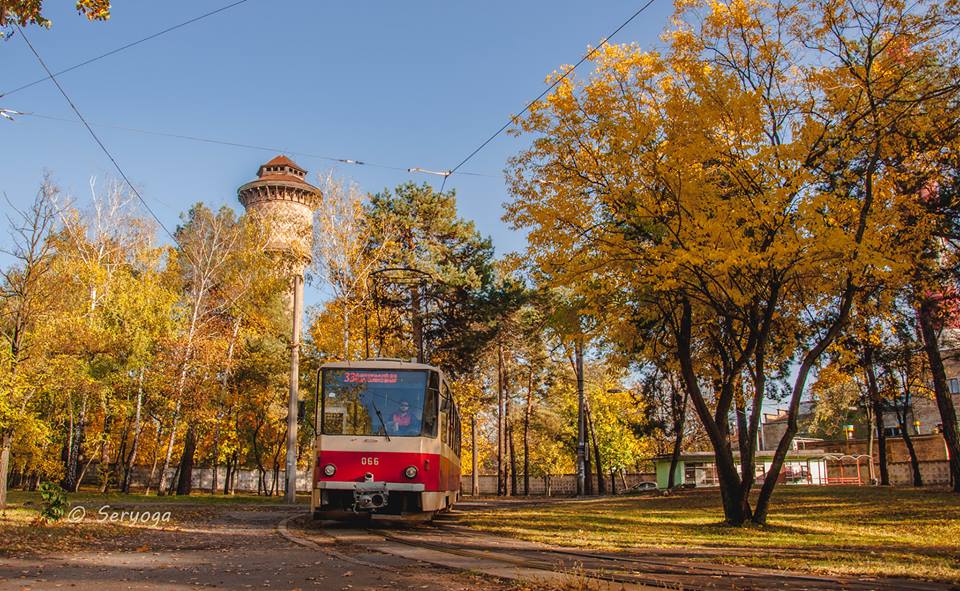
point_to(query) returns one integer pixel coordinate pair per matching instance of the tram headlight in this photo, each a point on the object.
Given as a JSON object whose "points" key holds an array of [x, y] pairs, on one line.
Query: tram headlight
{"points": [[329, 470], [410, 472]]}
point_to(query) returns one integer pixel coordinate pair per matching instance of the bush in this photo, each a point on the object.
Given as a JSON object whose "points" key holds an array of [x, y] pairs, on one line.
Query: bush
{"points": [[54, 501]]}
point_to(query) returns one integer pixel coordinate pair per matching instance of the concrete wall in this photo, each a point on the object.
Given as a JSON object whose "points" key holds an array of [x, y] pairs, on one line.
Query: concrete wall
{"points": [[202, 478], [931, 451], [560, 485], [246, 481]]}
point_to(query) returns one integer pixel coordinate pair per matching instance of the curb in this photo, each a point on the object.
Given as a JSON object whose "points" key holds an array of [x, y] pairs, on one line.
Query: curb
{"points": [[284, 532]]}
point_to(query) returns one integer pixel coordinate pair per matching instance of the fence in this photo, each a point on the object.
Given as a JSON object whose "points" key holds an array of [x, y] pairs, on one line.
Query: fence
{"points": [[557, 485], [245, 479], [933, 472]]}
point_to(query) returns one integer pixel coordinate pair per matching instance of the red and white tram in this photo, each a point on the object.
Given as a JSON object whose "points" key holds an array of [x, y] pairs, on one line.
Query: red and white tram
{"points": [[388, 441]]}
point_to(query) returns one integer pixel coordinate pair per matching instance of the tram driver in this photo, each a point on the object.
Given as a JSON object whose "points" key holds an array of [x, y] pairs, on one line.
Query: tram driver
{"points": [[403, 422]]}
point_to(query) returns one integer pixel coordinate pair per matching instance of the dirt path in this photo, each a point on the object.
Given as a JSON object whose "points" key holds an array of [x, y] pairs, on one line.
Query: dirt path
{"points": [[223, 548]]}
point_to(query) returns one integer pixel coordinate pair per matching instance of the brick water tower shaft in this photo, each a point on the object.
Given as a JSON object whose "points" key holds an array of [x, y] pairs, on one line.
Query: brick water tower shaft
{"points": [[284, 203]]}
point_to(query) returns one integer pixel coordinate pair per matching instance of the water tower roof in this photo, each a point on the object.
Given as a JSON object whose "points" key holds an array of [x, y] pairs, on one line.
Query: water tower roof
{"points": [[281, 168], [281, 179], [282, 160]]}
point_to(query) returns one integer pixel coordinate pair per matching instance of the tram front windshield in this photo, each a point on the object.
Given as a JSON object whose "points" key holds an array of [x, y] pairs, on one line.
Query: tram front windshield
{"points": [[377, 402]]}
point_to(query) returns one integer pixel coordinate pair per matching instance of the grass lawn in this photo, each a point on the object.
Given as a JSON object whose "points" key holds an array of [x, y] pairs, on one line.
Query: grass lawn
{"points": [[837, 530], [87, 498]]}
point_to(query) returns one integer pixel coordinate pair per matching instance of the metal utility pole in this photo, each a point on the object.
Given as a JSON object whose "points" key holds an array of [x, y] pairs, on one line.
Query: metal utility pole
{"points": [[474, 477], [581, 421], [290, 492]]}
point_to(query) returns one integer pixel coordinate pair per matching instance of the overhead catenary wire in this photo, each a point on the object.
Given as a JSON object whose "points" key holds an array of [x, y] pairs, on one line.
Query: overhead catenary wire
{"points": [[559, 79], [243, 145], [96, 138], [123, 47]]}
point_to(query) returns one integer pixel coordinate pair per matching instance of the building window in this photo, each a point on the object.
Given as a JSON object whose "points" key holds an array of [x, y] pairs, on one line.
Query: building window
{"points": [[892, 431], [954, 386]]}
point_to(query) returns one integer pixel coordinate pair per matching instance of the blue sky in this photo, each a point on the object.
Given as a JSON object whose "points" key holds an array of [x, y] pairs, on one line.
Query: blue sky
{"points": [[403, 84]]}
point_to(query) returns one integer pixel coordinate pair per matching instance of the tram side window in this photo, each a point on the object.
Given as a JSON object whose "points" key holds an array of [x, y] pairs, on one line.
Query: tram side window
{"points": [[451, 421], [430, 414], [450, 418], [457, 432]]}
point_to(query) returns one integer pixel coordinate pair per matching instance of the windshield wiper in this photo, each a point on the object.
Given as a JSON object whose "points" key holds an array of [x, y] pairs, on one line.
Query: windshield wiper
{"points": [[380, 416]]}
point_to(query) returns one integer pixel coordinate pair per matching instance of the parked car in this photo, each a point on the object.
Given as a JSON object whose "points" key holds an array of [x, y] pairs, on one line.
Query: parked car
{"points": [[644, 486]]}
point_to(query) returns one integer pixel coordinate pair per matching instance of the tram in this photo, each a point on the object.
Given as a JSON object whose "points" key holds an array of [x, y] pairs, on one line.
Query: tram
{"points": [[387, 443]]}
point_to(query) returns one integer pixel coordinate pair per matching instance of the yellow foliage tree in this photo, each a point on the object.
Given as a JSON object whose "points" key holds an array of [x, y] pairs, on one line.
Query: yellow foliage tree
{"points": [[734, 190]]}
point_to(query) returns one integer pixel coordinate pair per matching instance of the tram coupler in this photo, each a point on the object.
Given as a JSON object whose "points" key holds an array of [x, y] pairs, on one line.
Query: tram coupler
{"points": [[369, 495]]}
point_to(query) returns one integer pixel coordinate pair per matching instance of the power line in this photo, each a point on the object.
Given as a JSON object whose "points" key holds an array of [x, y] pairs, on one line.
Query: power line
{"points": [[588, 55], [122, 47], [97, 139], [195, 138]]}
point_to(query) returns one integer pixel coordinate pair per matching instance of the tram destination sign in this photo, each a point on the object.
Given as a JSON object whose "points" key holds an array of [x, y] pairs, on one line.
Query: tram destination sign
{"points": [[380, 377]]}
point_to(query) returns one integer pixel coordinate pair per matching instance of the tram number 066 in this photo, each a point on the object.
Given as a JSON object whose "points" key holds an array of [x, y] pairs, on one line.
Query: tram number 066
{"points": [[369, 461]]}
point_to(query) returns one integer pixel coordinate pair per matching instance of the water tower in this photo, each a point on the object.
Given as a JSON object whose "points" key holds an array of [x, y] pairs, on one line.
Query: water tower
{"points": [[284, 202]]}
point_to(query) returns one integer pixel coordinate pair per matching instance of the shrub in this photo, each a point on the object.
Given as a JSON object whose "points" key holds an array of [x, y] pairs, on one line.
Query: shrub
{"points": [[54, 501]]}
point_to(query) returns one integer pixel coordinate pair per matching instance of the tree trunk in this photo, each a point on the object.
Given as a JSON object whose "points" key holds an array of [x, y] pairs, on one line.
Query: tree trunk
{"points": [[474, 477], [508, 442], [876, 402], [71, 481], [172, 488], [233, 475], [582, 460], [5, 444], [156, 455], [416, 321], [526, 437], [871, 438], [799, 385], [120, 465], [678, 421], [948, 414], [601, 483], [162, 480], [214, 462], [224, 383], [501, 466], [731, 493], [276, 465], [226, 477], [104, 467], [908, 441], [84, 470], [513, 461], [185, 479]]}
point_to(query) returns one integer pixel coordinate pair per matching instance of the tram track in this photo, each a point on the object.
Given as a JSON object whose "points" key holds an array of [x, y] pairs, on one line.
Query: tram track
{"points": [[667, 567], [540, 565], [630, 571], [460, 547]]}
